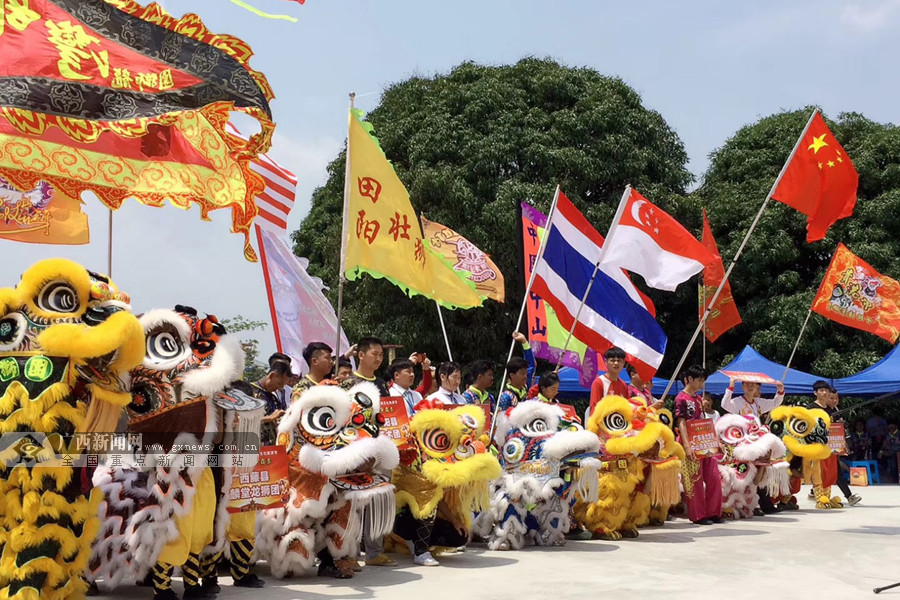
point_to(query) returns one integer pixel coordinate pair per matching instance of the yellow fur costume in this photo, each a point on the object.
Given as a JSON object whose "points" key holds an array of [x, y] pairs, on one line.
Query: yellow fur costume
{"points": [[805, 433], [453, 466], [67, 341], [630, 434]]}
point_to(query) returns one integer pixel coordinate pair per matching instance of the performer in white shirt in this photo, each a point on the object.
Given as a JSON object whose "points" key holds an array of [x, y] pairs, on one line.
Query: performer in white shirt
{"points": [[750, 403], [451, 376], [403, 376]]}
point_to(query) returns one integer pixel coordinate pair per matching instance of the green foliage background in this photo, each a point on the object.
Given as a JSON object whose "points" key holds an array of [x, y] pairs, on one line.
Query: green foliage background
{"points": [[473, 143]]}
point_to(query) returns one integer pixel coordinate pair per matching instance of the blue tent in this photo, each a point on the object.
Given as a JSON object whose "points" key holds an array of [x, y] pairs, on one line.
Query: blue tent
{"points": [[569, 385], [881, 378], [748, 360], [797, 382]]}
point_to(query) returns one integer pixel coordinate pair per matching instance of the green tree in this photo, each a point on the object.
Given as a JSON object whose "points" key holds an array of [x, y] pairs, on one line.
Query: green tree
{"points": [[469, 146], [254, 370], [776, 278]]}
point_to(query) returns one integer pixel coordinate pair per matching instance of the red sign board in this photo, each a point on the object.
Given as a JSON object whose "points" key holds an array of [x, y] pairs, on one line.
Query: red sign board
{"points": [[749, 377], [396, 421], [837, 439], [702, 438], [266, 486]]}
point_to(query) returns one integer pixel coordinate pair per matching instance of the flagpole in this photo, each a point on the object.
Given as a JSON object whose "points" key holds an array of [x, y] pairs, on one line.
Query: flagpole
{"points": [[512, 346], [444, 329], [344, 229], [109, 246], [587, 291], [737, 255], [703, 287], [787, 367]]}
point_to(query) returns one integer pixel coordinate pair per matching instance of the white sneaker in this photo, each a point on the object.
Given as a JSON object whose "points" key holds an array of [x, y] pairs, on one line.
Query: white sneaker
{"points": [[426, 560], [854, 499]]}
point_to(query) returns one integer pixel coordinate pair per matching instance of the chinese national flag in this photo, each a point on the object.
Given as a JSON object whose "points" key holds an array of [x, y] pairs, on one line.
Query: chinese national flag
{"points": [[855, 294], [820, 181], [724, 314]]}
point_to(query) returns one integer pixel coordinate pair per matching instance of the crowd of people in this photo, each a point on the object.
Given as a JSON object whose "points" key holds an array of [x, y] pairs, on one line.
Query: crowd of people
{"points": [[705, 498]]}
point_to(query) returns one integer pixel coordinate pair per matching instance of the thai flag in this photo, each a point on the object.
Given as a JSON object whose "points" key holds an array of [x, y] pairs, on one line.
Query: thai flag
{"points": [[615, 313]]}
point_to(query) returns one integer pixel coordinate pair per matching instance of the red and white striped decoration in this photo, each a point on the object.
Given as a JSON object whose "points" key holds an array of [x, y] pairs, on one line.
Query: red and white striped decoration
{"points": [[276, 201]]}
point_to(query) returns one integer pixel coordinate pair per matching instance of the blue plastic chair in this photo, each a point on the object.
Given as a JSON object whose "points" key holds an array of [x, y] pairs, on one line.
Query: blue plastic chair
{"points": [[871, 467]]}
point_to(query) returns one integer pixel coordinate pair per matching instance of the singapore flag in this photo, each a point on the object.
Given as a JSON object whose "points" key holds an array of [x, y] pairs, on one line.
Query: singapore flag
{"points": [[646, 240]]}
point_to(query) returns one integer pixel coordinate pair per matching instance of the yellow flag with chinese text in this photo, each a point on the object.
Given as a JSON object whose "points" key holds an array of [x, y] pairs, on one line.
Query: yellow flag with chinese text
{"points": [[383, 234]]}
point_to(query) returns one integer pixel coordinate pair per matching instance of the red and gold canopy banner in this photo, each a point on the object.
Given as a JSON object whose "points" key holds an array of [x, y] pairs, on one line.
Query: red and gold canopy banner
{"points": [[128, 102], [855, 294]]}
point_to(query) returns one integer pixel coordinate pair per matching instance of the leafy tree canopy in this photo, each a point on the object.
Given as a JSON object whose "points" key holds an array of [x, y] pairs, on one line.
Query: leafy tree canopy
{"points": [[254, 370], [472, 144], [779, 273]]}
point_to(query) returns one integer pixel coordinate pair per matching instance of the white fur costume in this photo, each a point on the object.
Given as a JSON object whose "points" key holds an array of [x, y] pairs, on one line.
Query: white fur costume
{"points": [[188, 362], [339, 465], [748, 447], [546, 462]]}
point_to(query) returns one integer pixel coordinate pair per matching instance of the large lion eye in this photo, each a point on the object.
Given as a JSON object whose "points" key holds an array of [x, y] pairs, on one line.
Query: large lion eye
{"points": [[319, 420], [436, 440], [164, 344], [59, 297], [513, 450], [734, 434], [799, 426], [615, 422], [536, 427]]}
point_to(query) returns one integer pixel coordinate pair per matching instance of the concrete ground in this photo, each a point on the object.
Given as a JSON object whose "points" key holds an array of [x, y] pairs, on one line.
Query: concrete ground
{"points": [[808, 555]]}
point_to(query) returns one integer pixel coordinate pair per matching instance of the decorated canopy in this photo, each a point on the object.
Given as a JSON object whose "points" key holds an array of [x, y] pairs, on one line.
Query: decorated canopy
{"points": [[128, 102]]}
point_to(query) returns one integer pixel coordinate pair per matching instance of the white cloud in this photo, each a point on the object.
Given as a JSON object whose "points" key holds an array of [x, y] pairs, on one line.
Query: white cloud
{"points": [[307, 159], [870, 16]]}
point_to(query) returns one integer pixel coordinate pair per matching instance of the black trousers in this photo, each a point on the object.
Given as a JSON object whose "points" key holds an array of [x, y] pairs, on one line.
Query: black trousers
{"points": [[842, 483], [425, 533]]}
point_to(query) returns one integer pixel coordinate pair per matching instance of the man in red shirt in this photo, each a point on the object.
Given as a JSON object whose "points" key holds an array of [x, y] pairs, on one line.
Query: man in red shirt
{"points": [[609, 383]]}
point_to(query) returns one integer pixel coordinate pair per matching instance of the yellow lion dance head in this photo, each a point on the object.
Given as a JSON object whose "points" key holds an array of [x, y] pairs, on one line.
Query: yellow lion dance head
{"points": [[804, 431]]}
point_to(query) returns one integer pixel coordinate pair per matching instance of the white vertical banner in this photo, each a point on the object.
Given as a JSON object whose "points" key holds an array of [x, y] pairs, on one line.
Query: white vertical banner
{"points": [[300, 311]]}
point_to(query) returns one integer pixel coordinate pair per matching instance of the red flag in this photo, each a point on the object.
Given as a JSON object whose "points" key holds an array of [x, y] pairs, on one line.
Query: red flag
{"points": [[855, 294], [723, 315], [820, 180]]}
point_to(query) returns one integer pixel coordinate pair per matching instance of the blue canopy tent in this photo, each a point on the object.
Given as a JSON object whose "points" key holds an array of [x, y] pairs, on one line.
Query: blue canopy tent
{"points": [[796, 382], [570, 387], [749, 360], [881, 378]]}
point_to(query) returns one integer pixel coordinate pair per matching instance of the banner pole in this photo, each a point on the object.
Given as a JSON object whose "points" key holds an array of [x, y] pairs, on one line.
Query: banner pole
{"points": [[444, 329], [787, 367], [109, 248], [344, 229], [737, 255], [703, 287], [512, 346]]}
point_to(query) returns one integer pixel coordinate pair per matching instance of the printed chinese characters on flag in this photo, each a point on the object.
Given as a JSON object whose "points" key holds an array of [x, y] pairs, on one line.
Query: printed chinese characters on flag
{"points": [[646, 240], [856, 295], [724, 314], [820, 181], [43, 215], [383, 234]]}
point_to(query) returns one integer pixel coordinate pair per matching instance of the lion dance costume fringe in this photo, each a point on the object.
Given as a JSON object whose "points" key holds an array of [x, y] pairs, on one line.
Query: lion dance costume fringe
{"points": [[67, 341]]}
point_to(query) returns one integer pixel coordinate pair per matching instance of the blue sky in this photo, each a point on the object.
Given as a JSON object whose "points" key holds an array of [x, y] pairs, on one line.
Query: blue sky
{"points": [[707, 66]]}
